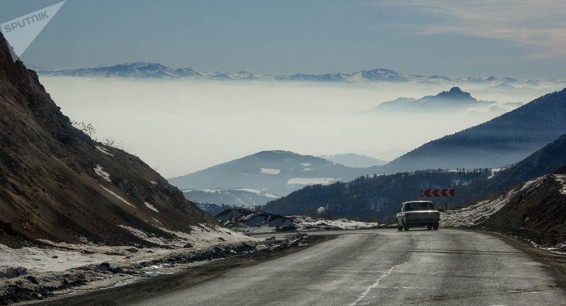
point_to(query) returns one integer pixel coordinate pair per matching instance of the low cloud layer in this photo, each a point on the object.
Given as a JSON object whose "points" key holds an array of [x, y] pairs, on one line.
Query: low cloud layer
{"points": [[181, 126]]}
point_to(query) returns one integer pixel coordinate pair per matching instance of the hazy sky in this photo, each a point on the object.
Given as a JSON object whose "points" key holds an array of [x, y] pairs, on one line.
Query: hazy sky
{"points": [[520, 38], [180, 126]]}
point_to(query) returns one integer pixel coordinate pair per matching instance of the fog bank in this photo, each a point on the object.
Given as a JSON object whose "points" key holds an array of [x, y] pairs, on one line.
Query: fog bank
{"points": [[181, 126]]}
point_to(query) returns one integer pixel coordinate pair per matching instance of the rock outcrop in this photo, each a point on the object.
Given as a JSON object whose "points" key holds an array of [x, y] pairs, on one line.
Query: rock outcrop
{"points": [[58, 184]]}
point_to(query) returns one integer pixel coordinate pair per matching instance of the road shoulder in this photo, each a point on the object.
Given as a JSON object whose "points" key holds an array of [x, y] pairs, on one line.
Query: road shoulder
{"points": [[553, 262], [163, 284]]}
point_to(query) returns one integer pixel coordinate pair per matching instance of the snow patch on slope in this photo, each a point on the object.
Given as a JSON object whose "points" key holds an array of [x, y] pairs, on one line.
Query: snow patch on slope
{"points": [[477, 213], [210, 190], [265, 194], [270, 171], [151, 207], [117, 196], [104, 150], [103, 174], [201, 236], [561, 178], [311, 181]]}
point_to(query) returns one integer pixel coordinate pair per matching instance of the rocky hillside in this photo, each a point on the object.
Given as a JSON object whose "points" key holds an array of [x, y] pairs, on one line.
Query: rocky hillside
{"points": [[533, 210], [58, 184], [502, 141]]}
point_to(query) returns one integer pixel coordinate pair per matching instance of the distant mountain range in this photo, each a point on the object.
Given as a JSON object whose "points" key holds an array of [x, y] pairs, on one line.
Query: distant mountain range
{"points": [[454, 99], [530, 134], [354, 160], [158, 71], [380, 196], [501, 141], [279, 172], [261, 177], [240, 197]]}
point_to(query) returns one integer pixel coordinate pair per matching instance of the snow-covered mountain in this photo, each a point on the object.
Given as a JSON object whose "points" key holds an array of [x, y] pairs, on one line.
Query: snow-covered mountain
{"points": [[155, 70], [131, 70], [268, 174], [364, 75]]}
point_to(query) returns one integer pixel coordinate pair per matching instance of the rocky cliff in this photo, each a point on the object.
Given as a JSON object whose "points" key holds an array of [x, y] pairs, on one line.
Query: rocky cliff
{"points": [[58, 184]]}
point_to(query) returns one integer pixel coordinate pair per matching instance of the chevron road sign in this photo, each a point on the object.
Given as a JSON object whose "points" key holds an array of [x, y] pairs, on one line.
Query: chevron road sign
{"points": [[432, 192]]}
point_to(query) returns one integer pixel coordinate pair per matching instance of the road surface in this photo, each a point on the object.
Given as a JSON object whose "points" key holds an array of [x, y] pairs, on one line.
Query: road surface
{"points": [[384, 267]]}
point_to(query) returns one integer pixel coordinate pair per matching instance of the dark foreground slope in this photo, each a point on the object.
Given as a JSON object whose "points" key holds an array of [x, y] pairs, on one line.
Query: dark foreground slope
{"points": [[502, 141], [533, 210], [536, 212], [52, 176]]}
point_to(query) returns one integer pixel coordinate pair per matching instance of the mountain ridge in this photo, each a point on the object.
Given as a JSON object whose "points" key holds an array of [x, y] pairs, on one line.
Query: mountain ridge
{"points": [[354, 160], [455, 98], [380, 195], [499, 142], [156, 70], [277, 172]]}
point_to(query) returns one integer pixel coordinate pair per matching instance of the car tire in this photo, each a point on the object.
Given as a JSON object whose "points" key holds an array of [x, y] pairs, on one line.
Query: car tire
{"points": [[435, 226], [429, 227]]}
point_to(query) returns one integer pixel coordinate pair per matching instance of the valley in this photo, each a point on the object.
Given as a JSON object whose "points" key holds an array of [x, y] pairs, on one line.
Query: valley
{"points": [[138, 183]]}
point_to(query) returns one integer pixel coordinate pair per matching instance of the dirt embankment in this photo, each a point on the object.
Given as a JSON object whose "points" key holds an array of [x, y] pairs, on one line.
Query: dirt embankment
{"points": [[533, 211]]}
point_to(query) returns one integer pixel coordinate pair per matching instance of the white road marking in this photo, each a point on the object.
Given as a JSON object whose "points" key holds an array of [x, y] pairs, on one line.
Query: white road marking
{"points": [[373, 286]]}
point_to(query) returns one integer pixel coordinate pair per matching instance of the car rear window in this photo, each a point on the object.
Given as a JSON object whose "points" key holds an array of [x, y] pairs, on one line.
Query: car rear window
{"points": [[419, 206]]}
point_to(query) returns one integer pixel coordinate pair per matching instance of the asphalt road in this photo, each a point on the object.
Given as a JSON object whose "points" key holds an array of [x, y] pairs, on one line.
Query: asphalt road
{"points": [[384, 267]]}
